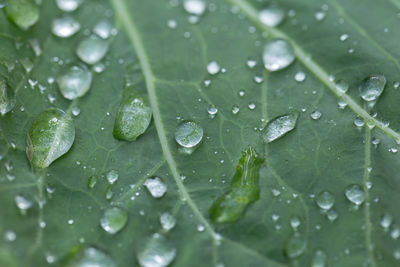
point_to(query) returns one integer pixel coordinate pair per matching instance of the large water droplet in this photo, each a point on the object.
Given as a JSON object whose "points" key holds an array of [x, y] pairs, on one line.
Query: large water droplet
{"points": [[295, 246], [92, 49], [133, 116], [194, 7], [167, 221], [319, 259], [68, 5], [156, 187], [189, 134], [91, 257], [271, 16], [278, 54], [65, 26], [355, 194], [74, 81], [113, 220], [279, 126], [244, 189], [156, 251], [51, 135], [24, 13], [7, 98], [372, 87], [325, 200]]}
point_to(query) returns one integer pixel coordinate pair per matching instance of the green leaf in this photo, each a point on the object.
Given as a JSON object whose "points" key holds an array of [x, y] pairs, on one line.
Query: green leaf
{"points": [[327, 189]]}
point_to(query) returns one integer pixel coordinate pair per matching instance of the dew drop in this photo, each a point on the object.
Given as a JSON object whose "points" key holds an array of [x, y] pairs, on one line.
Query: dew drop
{"points": [[386, 220], [251, 63], [65, 26], [189, 134], [23, 13], [68, 5], [271, 16], [167, 221], [277, 55], [74, 81], [7, 98], [355, 194], [91, 257], [359, 122], [156, 187], [212, 110], [332, 215], [319, 259], [295, 222], [112, 176], [320, 15], [342, 86], [325, 200], [213, 68], [23, 203], [300, 76], [279, 126], [156, 251], [92, 49], [344, 37], [76, 111], [295, 246], [103, 29], [113, 220], [316, 115], [372, 87], [194, 7], [235, 109]]}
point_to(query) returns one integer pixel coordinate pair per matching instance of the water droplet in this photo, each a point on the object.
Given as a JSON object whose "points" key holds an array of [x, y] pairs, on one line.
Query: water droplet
{"points": [[212, 110], [325, 200], [251, 63], [76, 111], [156, 251], [300, 76], [10, 236], [22, 12], [258, 79], [320, 15], [103, 29], [109, 193], [235, 109], [396, 253], [172, 24], [51, 135], [189, 134], [295, 246], [92, 49], [279, 126], [355, 194], [213, 68], [74, 81], [65, 26], [319, 259], [359, 122], [167, 221], [316, 115], [91, 257], [342, 86], [344, 37], [92, 181], [113, 220], [27, 64], [252, 106], [68, 5], [112, 176], [244, 189], [395, 233], [295, 222], [386, 220], [200, 228], [271, 16], [23, 203], [7, 98], [194, 7], [372, 87], [278, 54], [156, 187]]}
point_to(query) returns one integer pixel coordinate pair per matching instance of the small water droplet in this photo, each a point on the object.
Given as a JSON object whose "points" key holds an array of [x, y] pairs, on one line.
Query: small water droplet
{"points": [[194, 7], [189, 134], [386, 220], [212, 110], [332, 215], [200, 228], [251, 63], [325, 200], [156, 187], [235, 109], [295, 246], [112, 176], [213, 68], [23, 203], [10, 236], [271, 16], [344, 37], [359, 122], [7, 98], [74, 81], [295, 222], [319, 259], [279, 126], [300, 76], [167, 221], [320, 15], [103, 29], [91, 257], [372, 87], [113, 220], [342, 86], [252, 106], [278, 54], [156, 251], [316, 115], [355, 194], [92, 49], [68, 5], [65, 26]]}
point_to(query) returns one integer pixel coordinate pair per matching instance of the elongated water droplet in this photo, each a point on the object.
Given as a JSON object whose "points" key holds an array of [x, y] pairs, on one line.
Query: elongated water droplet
{"points": [[325, 200], [51, 135], [271, 16], [68, 5], [24, 13], [65, 26], [372, 87], [189, 134], [91, 257], [103, 29], [92, 49], [167, 221], [295, 246], [113, 220], [278, 54], [92, 181], [279, 126], [112, 176], [156, 187], [7, 98], [355, 194], [243, 191], [194, 7], [319, 259], [133, 116], [74, 81], [156, 251]]}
